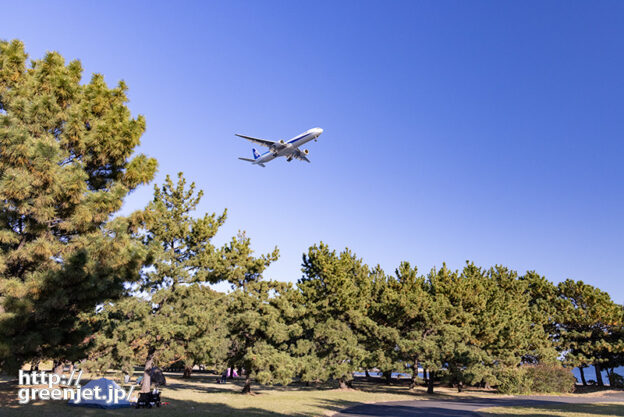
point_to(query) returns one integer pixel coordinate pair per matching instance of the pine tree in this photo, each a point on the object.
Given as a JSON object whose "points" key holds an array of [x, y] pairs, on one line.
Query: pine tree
{"points": [[65, 167], [121, 337], [183, 255], [190, 327], [264, 322], [382, 337], [587, 318], [611, 351], [482, 322], [336, 290], [198, 313], [404, 304]]}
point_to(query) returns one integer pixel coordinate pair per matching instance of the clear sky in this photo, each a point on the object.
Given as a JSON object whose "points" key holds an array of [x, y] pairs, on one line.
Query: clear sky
{"points": [[454, 130]]}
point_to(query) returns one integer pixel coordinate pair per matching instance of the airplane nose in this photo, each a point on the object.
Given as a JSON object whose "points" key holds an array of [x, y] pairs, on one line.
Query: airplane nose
{"points": [[319, 130]]}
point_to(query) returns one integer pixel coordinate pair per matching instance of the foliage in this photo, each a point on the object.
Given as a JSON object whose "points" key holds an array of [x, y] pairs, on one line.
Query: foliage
{"points": [[550, 378], [404, 303], [263, 322], [542, 378], [190, 327], [513, 380], [384, 309], [65, 167], [588, 326], [335, 290], [173, 315], [482, 321]]}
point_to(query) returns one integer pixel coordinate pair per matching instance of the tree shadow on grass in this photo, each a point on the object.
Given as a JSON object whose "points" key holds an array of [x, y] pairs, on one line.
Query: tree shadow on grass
{"points": [[404, 411], [234, 405], [175, 408], [480, 406], [180, 408]]}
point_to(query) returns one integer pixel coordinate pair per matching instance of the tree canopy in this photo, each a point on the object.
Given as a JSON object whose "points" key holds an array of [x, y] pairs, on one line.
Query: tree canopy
{"points": [[66, 165]]}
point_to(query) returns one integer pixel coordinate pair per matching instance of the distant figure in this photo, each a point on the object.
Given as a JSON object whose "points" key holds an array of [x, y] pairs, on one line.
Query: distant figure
{"points": [[157, 376]]}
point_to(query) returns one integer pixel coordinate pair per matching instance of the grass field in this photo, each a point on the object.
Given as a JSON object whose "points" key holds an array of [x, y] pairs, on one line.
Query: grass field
{"points": [[561, 410], [201, 395]]}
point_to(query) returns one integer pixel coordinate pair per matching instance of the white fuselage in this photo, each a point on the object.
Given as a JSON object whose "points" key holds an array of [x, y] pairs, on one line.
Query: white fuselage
{"points": [[290, 146]]}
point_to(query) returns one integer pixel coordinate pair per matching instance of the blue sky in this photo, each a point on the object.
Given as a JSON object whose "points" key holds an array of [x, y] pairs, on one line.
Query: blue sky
{"points": [[454, 130]]}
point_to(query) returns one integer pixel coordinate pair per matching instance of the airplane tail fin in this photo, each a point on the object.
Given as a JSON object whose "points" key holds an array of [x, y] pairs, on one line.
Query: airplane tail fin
{"points": [[255, 153]]}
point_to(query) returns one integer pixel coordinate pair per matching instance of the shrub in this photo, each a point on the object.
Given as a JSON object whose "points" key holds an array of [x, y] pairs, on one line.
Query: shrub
{"points": [[535, 378], [513, 381], [550, 378]]}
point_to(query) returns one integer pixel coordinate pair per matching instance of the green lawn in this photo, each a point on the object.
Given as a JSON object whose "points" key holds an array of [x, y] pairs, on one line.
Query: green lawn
{"points": [[560, 410]]}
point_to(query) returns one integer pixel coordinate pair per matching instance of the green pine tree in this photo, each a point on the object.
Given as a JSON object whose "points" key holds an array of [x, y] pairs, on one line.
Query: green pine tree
{"points": [[336, 292], [587, 318], [189, 328], [382, 335], [183, 255], [66, 165], [264, 322], [404, 303], [491, 318]]}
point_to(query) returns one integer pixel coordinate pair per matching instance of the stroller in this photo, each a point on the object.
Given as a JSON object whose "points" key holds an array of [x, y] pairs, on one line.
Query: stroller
{"points": [[149, 399]]}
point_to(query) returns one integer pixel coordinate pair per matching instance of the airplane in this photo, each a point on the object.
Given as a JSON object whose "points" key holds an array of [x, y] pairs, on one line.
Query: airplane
{"points": [[289, 149]]}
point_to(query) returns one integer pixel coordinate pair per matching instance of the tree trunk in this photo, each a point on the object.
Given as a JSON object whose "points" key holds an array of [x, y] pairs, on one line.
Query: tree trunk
{"points": [[414, 375], [598, 375], [430, 383], [387, 376], [368, 377], [188, 370], [582, 371], [59, 366], [247, 387], [146, 383], [344, 384]]}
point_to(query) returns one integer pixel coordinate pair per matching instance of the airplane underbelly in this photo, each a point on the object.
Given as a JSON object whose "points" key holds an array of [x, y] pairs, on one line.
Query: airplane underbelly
{"points": [[286, 151], [266, 158]]}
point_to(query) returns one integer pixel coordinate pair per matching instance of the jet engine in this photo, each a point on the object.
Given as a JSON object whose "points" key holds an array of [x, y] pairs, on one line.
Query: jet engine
{"points": [[305, 151], [282, 142]]}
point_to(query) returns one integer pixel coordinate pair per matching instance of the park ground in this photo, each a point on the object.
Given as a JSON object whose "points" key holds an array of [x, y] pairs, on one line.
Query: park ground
{"points": [[559, 410], [201, 395]]}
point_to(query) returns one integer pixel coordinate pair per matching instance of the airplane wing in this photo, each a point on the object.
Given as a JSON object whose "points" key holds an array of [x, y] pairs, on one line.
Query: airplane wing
{"points": [[263, 142], [300, 156]]}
